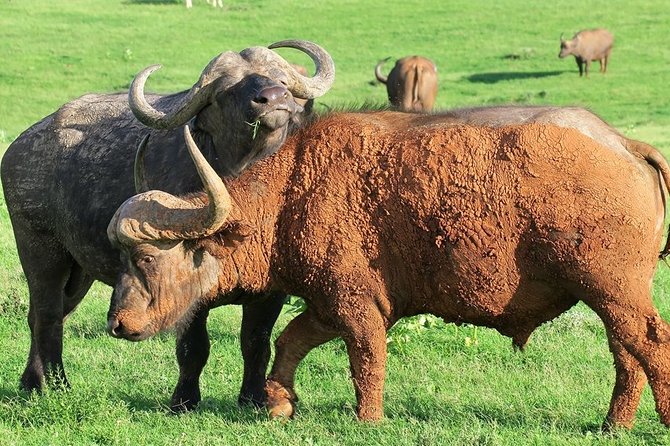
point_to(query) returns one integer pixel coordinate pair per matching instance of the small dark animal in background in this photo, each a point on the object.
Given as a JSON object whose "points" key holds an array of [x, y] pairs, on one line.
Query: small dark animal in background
{"points": [[588, 45], [411, 84]]}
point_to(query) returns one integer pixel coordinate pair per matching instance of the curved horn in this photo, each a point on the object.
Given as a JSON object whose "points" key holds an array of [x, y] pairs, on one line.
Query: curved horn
{"points": [[149, 116], [378, 71], [320, 83], [219, 198], [185, 106], [138, 169], [157, 215]]}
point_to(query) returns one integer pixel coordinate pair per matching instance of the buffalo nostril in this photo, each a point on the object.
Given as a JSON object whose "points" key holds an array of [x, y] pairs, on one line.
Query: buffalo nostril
{"points": [[114, 327], [271, 94]]}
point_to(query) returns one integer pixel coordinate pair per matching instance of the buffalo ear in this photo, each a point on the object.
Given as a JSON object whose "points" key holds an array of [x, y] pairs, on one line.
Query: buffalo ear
{"points": [[231, 235], [234, 234]]}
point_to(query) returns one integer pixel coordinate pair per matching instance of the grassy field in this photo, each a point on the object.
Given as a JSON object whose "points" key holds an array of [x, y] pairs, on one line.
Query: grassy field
{"points": [[445, 384]]}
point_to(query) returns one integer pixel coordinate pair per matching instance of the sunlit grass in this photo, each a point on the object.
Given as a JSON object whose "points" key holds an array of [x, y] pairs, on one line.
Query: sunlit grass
{"points": [[445, 384]]}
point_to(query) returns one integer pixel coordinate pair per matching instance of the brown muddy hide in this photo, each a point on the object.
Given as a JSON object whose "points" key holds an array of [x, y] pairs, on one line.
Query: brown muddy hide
{"points": [[505, 228], [145, 302]]}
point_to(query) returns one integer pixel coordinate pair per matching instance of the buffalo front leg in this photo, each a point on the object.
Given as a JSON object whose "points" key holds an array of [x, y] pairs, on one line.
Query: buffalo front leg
{"points": [[192, 354], [300, 336], [258, 319], [630, 380], [366, 345]]}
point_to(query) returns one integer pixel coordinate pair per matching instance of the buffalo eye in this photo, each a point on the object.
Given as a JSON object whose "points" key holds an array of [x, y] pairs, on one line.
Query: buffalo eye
{"points": [[146, 260]]}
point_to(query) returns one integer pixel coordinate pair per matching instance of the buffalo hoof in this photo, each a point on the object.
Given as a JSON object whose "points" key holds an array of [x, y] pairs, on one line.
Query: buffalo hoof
{"points": [[282, 410], [183, 406], [31, 383], [252, 400], [610, 425], [281, 401], [184, 401], [370, 414]]}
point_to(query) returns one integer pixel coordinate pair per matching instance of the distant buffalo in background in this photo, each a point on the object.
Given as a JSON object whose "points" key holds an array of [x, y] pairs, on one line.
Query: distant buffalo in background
{"points": [[588, 45], [411, 84]]}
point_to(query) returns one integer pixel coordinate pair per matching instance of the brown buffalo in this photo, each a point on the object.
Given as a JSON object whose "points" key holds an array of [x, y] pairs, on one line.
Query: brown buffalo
{"points": [[588, 45], [503, 217], [411, 84]]}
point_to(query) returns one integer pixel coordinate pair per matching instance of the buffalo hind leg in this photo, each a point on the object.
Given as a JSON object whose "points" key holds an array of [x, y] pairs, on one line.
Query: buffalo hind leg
{"points": [[258, 319], [56, 285], [636, 325], [192, 354], [300, 336], [630, 380]]}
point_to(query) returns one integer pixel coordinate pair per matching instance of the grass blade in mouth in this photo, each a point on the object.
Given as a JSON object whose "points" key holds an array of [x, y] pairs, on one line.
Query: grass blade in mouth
{"points": [[254, 125]]}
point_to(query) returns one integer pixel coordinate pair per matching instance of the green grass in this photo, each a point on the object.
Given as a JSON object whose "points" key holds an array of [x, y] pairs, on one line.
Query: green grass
{"points": [[445, 384]]}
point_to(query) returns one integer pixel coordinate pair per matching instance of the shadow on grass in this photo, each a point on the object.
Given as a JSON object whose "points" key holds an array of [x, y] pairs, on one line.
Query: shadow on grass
{"points": [[425, 409], [153, 2], [13, 393], [225, 408], [492, 78]]}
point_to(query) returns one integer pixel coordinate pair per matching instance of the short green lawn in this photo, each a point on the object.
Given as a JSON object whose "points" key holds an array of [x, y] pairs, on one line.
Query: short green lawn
{"points": [[445, 384]]}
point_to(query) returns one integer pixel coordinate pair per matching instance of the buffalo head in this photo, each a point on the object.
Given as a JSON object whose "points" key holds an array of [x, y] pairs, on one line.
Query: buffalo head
{"points": [[166, 270], [567, 46], [243, 104]]}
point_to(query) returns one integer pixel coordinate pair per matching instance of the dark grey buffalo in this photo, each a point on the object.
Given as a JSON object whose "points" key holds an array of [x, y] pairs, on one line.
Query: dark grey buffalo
{"points": [[588, 45], [64, 177]]}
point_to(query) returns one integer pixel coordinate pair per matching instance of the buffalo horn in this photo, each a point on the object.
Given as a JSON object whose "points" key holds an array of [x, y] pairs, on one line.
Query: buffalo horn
{"points": [[188, 105], [156, 215], [138, 172], [378, 71], [308, 87], [261, 59], [219, 198]]}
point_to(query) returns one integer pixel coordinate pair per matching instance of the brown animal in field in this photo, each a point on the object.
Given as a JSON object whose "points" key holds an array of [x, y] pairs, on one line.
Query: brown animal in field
{"points": [[503, 217], [65, 176], [411, 84], [588, 45]]}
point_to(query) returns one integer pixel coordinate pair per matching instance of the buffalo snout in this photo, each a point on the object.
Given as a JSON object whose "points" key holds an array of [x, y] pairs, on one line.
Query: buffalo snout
{"points": [[114, 327], [272, 95], [117, 328]]}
